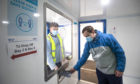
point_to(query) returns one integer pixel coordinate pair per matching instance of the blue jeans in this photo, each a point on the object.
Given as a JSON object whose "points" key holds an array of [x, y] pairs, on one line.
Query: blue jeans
{"points": [[108, 79]]}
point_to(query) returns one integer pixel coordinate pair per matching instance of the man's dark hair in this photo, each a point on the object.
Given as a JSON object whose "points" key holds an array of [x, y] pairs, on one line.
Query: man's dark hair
{"points": [[88, 29], [54, 24]]}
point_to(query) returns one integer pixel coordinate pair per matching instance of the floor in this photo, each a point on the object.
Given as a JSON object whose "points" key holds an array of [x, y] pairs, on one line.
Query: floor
{"points": [[85, 82]]}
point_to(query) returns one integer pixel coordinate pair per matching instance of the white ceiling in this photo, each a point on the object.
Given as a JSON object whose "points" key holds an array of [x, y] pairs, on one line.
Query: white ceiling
{"points": [[90, 8], [72, 6], [123, 8], [93, 7]]}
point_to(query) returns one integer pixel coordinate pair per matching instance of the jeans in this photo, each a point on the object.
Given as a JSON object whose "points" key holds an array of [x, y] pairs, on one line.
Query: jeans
{"points": [[108, 79]]}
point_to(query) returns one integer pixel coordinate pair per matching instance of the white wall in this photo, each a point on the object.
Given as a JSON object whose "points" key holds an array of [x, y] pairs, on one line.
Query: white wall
{"points": [[28, 69], [127, 33]]}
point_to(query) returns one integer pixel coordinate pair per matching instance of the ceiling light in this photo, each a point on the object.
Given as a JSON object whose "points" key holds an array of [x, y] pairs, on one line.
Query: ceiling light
{"points": [[105, 2], [5, 22], [36, 14]]}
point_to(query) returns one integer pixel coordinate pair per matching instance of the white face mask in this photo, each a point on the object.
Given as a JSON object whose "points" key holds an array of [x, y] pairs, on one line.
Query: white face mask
{"points": [[55, 32]]}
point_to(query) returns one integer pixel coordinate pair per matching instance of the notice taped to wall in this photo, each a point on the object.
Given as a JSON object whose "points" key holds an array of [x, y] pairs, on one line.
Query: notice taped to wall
{"points": [[20, 48]]}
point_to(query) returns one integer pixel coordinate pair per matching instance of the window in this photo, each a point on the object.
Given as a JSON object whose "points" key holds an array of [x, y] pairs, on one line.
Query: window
{"points": [[65, 31]]}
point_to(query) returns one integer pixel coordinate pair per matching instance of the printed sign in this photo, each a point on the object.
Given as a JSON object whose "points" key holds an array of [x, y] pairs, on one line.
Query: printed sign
{"points": [[21, 17], [18, 49]]}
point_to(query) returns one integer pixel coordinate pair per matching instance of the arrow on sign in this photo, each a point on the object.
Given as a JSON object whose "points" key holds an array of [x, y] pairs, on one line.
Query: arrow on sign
{"points": [[23, 54]]}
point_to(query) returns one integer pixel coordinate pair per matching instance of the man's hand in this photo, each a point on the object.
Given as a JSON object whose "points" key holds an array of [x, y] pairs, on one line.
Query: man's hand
{"points": [[56, 68], [64, 61], [72, 70], [118, 73]]}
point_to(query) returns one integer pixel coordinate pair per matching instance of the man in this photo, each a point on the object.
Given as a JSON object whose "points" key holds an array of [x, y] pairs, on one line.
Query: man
{"points": [[107, 53], [55, 49]]}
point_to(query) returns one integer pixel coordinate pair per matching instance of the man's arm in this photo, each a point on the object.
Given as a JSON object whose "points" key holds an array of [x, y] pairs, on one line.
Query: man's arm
{"points": [[119, 53], [49, 58], [84, 57]]}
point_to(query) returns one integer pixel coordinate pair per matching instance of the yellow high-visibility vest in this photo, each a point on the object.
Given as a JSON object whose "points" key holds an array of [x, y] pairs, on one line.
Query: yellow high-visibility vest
{"points": [[49, 37]]}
